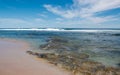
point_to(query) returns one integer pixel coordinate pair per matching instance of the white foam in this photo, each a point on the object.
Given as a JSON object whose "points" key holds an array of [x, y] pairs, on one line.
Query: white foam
{"points": [[61, 30], [35, 29]]}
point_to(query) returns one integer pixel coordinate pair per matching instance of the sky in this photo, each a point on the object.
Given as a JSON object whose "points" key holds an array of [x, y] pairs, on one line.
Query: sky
{"points": [[60, 13]]}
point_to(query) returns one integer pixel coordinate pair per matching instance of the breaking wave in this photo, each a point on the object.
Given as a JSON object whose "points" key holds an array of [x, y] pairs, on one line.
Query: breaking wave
{"points": [[64, 29]]}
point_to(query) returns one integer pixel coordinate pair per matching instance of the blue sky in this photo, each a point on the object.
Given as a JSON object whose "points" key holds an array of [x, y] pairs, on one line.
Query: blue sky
{"points": [[60, 13]]}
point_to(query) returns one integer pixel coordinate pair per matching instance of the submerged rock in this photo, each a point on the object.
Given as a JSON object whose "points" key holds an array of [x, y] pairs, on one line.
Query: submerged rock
{"points": [[78, 65], [118, 64], [58, 39], [116, 34], [83, 56], [56, 44], [32, 53]]}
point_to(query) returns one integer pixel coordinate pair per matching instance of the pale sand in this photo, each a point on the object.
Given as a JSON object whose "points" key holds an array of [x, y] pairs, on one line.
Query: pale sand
{"points": [[15, 61]]}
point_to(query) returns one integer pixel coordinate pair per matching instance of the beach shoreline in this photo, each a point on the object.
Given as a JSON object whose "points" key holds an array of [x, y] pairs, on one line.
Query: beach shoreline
{"points": [[15, 61]]}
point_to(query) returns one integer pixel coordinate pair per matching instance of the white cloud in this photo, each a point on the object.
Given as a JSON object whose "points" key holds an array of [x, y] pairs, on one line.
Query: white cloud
{"points": [[59, 19], [39, 20], [101, 19], [86, 9], [59, 11], [43, 15], [103, 5]]}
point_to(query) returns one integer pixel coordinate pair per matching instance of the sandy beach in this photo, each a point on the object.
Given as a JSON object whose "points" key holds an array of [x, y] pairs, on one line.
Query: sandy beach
{"points": [[15, 61]]}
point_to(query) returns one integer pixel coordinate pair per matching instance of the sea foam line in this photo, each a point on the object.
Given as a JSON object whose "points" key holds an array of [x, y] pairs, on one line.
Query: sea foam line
{"points": [[62, 30]]}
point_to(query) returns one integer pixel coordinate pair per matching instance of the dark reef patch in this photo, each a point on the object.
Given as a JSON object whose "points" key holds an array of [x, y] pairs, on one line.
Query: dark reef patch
{"points": [[59, 44], [116, 34]]}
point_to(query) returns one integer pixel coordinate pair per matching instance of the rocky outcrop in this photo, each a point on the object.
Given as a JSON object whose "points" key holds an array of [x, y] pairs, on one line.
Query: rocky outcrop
{"points": [[66, 56], [77, 65]]}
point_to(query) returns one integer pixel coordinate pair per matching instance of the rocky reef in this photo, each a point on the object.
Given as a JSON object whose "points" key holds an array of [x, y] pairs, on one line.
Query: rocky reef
{"points": [[59, 44], [78, 63]]}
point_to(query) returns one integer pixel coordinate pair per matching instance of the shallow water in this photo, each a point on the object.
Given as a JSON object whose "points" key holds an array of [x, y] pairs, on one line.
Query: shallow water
{"points": [[101, 45]]}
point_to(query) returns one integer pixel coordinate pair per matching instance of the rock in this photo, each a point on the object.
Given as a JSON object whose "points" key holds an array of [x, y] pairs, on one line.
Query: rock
{"points": [[43, 46], [83, 56], [118, 64], [36, 54], [58, 39], [33, 53], [50, 46], [112, 71], [116, 34], [54, 43], [90, 65], [42, 56], [29, 52]]}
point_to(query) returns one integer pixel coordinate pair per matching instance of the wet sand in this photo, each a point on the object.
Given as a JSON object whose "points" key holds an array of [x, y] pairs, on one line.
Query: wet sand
{"points": [[15, 61]]}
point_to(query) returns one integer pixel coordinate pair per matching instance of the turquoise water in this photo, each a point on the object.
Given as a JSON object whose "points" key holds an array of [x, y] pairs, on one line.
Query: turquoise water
{"points": [[102, 45]]}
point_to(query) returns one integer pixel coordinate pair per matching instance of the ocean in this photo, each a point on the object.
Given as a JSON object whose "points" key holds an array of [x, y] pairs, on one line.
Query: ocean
{"points": [[101, 44]]}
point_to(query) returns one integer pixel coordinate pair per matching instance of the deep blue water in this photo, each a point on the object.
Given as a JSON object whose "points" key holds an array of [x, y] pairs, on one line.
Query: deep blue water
{"points": [[103, 45]]}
